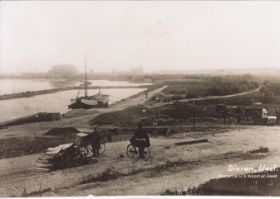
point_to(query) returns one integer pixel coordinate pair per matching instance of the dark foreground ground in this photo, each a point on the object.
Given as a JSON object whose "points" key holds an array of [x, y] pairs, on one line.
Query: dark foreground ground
{"points": [[264, 183]]}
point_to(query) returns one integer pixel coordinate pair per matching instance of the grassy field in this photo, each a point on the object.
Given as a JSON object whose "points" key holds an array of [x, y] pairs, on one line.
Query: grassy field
{"points": [[209, 85]]}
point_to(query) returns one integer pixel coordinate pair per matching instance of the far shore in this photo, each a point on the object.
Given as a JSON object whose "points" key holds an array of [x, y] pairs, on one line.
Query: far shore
{"points": [[48, 91]]}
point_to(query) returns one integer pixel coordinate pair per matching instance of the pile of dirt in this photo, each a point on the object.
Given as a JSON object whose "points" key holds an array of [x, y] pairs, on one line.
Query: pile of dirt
{"points": [[127, 117], [181, 110], [14, 147], [63, 132]]}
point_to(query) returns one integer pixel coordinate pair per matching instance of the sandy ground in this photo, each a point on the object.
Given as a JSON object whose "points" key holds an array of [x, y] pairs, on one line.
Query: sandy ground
{"points": [[199, 163], [204, 161]]}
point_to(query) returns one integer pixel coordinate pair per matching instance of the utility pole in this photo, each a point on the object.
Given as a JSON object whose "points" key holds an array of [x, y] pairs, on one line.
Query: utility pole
{"points": [[193, 107]]}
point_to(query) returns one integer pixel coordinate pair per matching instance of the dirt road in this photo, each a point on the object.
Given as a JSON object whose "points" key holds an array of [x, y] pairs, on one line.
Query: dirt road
{"points": [[172, 167], [204, 162]]}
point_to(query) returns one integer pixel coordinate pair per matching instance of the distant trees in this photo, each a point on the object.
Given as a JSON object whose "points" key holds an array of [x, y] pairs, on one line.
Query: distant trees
{"points": [[63, 71]]}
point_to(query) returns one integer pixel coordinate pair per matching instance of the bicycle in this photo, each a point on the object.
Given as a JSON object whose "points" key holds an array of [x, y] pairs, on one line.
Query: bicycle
{"points": [[133, 152], [88, 150]]}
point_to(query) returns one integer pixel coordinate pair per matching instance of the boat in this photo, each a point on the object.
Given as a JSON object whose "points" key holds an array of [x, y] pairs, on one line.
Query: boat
{"points": [[98, 100]]}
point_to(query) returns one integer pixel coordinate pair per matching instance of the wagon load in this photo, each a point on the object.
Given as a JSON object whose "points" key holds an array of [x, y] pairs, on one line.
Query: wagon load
{"points": [[82, 139]]}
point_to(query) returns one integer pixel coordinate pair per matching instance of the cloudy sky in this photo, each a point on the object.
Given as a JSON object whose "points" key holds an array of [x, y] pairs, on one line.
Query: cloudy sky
{"points": [[156, 35]]}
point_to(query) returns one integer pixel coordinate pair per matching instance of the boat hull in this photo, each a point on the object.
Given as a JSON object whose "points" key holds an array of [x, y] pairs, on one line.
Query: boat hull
{"points": [[87, 104]]}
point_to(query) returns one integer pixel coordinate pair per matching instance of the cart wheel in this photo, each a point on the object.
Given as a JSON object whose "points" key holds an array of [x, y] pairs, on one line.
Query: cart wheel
{"points": [[131, 151]]}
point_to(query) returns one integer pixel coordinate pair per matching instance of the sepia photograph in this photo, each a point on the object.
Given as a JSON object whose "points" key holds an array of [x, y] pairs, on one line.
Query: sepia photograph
{"points": [[139, 98]]}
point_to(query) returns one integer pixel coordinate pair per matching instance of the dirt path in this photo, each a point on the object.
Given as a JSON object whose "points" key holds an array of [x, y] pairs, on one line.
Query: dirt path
{"points": [[207, 98], [199, 163]]}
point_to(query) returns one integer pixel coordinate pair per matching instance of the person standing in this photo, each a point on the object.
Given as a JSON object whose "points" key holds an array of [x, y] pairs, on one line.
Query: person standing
{"points": [[277, 111], [95, 141], [264, 116]]}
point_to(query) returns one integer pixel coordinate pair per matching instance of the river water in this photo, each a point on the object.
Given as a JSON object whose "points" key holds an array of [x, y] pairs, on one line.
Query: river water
{"points": [[54, 102], [9, 86]]}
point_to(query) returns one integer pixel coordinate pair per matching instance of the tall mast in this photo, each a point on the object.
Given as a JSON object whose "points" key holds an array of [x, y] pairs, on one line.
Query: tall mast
{"points": [[86, 94]]}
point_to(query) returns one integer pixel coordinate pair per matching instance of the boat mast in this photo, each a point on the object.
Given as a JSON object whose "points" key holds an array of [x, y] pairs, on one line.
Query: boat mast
{"points": [[86, 94]]}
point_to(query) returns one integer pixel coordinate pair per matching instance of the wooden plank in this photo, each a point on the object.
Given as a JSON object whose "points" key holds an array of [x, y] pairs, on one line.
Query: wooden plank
{"points": [[191, 142]]}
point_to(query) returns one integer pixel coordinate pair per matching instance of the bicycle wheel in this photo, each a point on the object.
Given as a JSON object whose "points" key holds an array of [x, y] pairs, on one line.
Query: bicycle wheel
{"points": [[147, 153], [131, 151], [102, 148]]}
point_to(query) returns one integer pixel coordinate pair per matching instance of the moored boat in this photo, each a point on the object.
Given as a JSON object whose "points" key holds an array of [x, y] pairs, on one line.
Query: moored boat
{"points": [[99, 100]]}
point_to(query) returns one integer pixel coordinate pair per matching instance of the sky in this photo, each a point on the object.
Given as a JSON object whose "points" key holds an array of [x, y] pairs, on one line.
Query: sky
{"points": [[154, 35]]}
